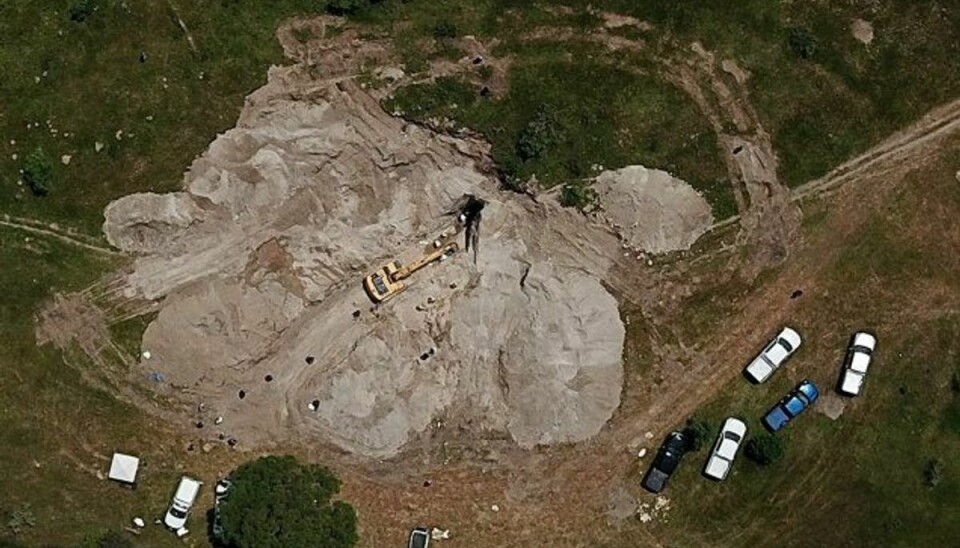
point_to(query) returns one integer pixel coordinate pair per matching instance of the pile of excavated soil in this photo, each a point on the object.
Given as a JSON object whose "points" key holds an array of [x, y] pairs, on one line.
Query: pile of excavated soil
{"points": [[651, 209], [259, 261]]}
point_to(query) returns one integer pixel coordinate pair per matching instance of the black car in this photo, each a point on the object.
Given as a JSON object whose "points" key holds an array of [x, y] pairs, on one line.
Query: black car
{"points": [[419, 538], [666, 461]]}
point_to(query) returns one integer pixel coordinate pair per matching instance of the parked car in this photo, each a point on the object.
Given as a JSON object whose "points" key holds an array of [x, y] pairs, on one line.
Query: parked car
{"points": [[182, 501], [725, 450], [665, 463], [856, 363], [419, 538], [220, 493], [773, 355], [796, 402]]}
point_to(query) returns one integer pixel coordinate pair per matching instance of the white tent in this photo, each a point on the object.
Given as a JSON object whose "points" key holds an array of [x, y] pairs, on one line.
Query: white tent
{"points": [[124, 468]]}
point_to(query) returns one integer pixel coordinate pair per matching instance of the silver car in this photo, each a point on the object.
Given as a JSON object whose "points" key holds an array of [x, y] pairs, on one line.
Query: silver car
{"points": [[725, 450]]}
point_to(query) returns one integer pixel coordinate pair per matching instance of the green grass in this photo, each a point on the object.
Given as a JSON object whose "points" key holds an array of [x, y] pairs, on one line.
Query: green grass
{"points": [[820, 111], [857, 481], [91, 84]]}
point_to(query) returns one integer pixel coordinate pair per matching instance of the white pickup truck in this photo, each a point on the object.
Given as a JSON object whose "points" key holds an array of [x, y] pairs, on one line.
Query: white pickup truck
{"points": [[856, 363], [773, 355]]}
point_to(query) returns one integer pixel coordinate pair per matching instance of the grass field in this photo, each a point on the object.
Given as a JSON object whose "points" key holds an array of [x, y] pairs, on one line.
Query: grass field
{"points": [[859, 480], [615, 109]]}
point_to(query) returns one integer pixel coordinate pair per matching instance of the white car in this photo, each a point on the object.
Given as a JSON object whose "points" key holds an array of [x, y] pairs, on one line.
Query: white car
{"points": [[857, 362], [773, 355], [725, 450], [183, 500]]}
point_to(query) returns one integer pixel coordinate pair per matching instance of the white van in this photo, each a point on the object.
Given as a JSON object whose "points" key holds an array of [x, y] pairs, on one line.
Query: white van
{"points": [[183, 499]]}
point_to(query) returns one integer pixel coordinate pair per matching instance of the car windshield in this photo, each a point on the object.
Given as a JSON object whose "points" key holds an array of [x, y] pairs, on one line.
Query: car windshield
{"points": [[177, 513], [379, 285], [786, 344], [732, 436], [794, 406]]}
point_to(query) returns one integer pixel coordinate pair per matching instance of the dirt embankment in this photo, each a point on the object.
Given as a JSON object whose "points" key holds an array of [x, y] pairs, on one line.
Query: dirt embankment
{"points": [[264, 334]]}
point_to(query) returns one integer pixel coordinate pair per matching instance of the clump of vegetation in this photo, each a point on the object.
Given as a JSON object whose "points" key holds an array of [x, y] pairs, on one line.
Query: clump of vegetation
{"points": [[540, 134], [578, 194], [109, 539], [82, 9], [955, 383], [277, 502], [445, 30], [348, 7], [765, 449], [20, 519], [38, 172], [802, 42], [932, 472], [698, 432]]}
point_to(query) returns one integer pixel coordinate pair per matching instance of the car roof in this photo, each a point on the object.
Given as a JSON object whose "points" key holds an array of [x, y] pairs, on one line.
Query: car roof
{"points": [[777, 353], [187, 490], [859, 361], [865, 339], [776, 418]]}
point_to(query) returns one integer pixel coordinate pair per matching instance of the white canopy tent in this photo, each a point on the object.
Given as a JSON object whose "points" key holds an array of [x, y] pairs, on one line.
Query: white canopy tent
{"points": [[124, 468]]}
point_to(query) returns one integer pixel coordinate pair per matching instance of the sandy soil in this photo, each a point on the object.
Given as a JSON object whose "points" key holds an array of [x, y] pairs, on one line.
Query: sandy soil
{"points": [[264, 335]]}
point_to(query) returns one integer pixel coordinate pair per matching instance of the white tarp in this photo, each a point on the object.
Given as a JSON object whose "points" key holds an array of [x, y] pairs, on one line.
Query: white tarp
{"points": [[124, 468]]}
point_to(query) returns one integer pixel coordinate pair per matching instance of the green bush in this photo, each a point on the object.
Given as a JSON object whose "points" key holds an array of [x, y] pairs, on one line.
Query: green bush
{"points": [[538, 135], [277, 502], [346, 7], [698, 433], [932, 472], [577, 195], [955, 382], [802, 42], [765, 449], [82, 9], [38, 172], [445, 30]]}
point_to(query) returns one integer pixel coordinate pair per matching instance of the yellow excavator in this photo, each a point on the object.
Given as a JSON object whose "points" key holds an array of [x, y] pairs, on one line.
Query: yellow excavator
{"points": [[387, 281]]}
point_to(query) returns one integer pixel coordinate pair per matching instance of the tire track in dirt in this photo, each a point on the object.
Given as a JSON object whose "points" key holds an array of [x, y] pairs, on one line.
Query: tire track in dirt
{"points": [[52, 231]]}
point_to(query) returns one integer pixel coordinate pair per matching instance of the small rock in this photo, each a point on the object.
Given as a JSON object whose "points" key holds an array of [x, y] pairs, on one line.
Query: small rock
{"points": [[139, 522], [642, 453], [65, 159], [118, 135], [146, 354], [98, 146], [207, 447], [648, 435], [99, 475], [495, 508], [13, 156]]}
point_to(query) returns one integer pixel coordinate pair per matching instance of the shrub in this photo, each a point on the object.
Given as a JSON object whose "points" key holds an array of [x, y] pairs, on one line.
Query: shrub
{"points": [[444, 30], [20, 519], [932, 472], [577, 195], [765, 449], [802, 42], [82, 9], [38, 172], [955, 382], [538, 135], [346, 7], [697, 432]]}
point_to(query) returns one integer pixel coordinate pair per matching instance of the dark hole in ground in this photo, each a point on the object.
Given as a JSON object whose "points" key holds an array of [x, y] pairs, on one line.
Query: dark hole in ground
{"points": [[796, 294], [309, 360], [356, 313], [268, 378], [737, 150], [242, 394], [316, 403]]}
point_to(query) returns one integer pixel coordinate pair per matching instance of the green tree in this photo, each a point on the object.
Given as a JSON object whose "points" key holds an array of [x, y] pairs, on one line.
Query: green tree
{"points": [[802, 42], [765, 449], [577, 195], [279, 502], [38, 172], [697, 432]]}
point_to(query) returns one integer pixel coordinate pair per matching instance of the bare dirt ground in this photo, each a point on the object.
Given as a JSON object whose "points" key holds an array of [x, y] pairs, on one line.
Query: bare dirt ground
{"points": [[255, 266]]}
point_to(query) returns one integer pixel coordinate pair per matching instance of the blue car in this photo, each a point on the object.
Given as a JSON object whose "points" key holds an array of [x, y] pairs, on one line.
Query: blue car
{"points": [[796, 402]]}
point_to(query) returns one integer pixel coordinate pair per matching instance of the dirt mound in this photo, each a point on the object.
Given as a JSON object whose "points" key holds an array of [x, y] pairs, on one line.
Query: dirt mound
{"points": [[651, 209], [259, 262]]}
